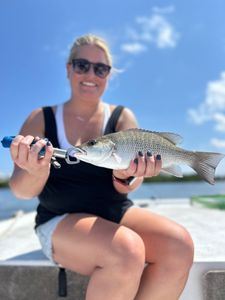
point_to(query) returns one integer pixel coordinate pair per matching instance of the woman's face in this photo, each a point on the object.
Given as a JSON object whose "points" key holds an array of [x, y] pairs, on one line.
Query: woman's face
{"points": [[88, 84]]}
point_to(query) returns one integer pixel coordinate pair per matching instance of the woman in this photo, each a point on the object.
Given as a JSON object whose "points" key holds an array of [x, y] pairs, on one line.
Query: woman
{"points": [[85, 222]]}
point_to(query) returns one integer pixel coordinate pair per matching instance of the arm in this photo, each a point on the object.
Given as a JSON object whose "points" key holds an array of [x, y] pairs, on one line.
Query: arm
{"points": [[144, 165], [30, 173]]}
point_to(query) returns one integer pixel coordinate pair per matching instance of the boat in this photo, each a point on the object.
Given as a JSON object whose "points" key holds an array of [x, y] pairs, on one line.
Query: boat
{"points": [[23, 265], [210, 201]]}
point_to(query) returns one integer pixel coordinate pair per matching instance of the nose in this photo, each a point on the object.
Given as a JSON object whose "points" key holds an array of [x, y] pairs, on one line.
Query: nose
{"points": [[91, 71]]}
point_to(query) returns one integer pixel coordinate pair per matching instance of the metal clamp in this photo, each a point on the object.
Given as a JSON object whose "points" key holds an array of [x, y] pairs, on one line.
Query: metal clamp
{"points": [[70, 154]]}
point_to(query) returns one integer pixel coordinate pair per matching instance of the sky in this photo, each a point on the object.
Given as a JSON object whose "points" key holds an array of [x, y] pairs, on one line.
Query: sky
{"points": [[171, 55]]}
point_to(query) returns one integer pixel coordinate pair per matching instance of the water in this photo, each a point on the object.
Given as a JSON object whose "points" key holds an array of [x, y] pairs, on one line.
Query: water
{"points": [[178, 189], [9, 204]]}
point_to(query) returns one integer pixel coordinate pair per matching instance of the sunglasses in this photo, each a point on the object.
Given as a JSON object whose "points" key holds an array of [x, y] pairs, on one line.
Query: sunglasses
{"points": [[82, 66]]}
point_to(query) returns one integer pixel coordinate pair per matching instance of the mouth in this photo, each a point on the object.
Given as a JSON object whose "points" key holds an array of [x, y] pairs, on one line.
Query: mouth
{"points": [[77, 151], [88, 83]]}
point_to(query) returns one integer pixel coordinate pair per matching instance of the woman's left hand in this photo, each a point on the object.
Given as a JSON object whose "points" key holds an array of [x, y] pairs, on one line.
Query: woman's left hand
{"points": [[144, 165]]}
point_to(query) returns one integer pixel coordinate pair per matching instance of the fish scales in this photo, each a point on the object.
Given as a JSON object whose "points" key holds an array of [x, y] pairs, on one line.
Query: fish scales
{"points": [[116, 150], [130, 143]]}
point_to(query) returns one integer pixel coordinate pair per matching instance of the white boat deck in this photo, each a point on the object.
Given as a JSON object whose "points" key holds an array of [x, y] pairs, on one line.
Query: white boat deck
{"points": [[18, 241]]}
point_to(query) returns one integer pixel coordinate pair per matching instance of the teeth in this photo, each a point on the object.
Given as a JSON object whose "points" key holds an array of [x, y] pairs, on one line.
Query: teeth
{"points": [[88, 83]]}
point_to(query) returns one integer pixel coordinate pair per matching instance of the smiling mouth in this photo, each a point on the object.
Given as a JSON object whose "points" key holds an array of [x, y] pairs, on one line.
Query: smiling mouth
{"points": [[88, 84]]}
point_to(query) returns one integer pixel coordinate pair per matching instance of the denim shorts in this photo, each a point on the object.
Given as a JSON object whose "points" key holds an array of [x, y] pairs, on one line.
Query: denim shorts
{"points": [[45, 232]]}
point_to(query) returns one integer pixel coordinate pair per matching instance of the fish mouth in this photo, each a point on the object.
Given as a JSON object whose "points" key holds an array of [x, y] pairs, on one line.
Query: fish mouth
{"points": [[77, 151]]}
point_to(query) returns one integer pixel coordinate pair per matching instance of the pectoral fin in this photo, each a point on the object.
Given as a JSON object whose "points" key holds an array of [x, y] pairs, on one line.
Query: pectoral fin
{"points": [[173, 170], [117, 158]]}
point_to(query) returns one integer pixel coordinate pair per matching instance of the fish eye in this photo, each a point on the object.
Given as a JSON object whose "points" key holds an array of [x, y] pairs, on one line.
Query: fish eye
{"points": [[91, 142]]}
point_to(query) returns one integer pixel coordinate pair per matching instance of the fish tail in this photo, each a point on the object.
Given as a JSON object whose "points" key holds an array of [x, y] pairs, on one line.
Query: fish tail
{"points": [[205, 164]]}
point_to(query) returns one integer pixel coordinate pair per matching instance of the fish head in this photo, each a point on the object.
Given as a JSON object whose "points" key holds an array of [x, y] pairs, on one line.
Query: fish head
{"points": [[95, 150]]}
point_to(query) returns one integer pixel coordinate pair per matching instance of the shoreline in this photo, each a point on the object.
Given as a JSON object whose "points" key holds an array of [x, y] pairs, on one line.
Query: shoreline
{"points": [[4, 182]]}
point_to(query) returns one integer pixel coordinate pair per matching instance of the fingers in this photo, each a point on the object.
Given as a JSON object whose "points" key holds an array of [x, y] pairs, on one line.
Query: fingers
{"points": [[158, 165], [20, 147], [143, 165], [35, 149], [26, 155], [147, 165]]}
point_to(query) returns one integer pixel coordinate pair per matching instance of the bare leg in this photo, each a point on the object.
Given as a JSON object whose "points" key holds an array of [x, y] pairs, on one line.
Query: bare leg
{"points": [[169, 254], [113, 255]]}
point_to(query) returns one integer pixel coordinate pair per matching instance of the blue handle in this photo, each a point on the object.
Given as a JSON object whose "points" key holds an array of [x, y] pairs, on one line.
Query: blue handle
{"points": [[7, 140]]}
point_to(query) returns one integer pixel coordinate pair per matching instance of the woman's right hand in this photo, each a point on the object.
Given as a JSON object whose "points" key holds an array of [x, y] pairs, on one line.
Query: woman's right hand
{"points": [[26, 155]]}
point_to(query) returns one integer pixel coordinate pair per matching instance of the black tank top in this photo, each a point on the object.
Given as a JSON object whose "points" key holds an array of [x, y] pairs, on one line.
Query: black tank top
{"points": [[82, 187]]}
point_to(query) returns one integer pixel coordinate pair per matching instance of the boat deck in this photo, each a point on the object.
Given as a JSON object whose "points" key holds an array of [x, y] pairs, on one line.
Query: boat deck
{"points": [[19, 245]]}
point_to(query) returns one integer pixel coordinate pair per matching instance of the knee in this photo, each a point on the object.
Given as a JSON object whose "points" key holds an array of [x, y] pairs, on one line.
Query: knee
{"points": [[182, 250], [129, 251]]}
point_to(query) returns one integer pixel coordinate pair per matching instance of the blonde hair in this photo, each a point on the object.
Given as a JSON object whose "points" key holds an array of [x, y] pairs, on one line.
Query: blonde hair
{"points": [[90, 39]]}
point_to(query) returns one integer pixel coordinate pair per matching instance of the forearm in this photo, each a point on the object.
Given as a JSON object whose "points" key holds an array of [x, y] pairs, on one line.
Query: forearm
{"points": [[25, 185], [125, 188], [30, 170]]}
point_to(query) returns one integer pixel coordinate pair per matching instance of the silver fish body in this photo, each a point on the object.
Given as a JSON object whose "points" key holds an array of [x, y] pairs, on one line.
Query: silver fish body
{"points": [[116, 150]]}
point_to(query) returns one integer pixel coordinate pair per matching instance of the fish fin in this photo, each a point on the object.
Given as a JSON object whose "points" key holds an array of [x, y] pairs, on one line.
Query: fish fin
{"points": [[172, 137], [173, 170], [205, 164], [117, 157]]}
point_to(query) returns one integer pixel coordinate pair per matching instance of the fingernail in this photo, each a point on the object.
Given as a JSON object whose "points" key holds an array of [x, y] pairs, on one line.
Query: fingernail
{"points": [[136, 161], [149, 153], [140, 153], [158, 157], [48, 142]]}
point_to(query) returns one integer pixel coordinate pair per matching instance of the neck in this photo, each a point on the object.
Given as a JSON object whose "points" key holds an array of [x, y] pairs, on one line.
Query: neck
{"points": [[83, 109]]}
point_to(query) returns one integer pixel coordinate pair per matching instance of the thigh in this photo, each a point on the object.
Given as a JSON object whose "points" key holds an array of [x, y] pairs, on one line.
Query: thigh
{"points": [[82, 242], [160, 235]]}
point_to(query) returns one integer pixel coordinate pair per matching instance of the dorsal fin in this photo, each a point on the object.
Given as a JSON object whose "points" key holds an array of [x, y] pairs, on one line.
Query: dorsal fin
{"points": [[170, 136]]}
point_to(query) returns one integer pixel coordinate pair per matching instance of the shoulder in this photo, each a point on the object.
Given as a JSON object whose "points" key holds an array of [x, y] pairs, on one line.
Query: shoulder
{"points": [[126, 120], [34, 124]]}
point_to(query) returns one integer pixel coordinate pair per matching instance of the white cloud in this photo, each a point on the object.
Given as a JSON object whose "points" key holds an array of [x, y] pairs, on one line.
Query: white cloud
{"points": [[218, 143], [219, 118], [158, 30], [154, 29], [216, 94], [134, 48], [213, 107]]}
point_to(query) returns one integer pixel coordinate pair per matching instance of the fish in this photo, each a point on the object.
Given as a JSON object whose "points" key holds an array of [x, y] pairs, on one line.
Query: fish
{"points": [[116, 150]]}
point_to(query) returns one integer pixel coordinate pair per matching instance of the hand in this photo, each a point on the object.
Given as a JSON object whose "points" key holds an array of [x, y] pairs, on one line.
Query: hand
{"points": [[26, 156], [142, 166]]}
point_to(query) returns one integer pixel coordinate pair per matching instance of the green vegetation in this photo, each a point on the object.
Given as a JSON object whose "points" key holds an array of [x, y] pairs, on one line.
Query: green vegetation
{"points": [[170, 178], [161, 178], [4, 182], [210, 201]]}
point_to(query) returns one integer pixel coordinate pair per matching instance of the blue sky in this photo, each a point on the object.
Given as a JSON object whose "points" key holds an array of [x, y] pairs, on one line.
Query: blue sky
{"points": [[172, 54]]}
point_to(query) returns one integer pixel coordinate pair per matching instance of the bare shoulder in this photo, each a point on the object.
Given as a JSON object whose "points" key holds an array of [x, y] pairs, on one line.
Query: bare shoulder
{"points": [[126, 120], [34, 124]]}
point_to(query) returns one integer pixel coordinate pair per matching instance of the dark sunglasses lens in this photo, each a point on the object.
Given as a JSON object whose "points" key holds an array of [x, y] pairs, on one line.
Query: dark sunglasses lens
{"points": [[101, 70], [81, 66]]}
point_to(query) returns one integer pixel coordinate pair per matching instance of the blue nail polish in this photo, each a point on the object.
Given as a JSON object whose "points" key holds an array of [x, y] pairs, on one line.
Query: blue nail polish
{"points": [[136, 161], [149, 153], [158, 157], [140, 153]]}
